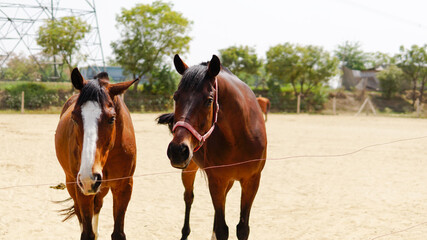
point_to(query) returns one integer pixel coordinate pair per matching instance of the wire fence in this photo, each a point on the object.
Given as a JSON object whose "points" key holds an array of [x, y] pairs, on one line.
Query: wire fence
{"points": [[255, 160], [233, 164]]}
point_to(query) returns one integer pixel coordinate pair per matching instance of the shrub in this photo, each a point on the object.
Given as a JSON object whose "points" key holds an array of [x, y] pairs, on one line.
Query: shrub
{"points": [[283, 99], [390, 81], [36, 96]]}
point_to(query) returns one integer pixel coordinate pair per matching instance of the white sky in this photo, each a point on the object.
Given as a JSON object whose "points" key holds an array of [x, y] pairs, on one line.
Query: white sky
{"points": [[379, 25]]}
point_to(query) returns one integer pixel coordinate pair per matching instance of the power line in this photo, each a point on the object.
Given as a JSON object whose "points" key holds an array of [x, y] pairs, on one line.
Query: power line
{"points": [[19, 23], [384, 13]]}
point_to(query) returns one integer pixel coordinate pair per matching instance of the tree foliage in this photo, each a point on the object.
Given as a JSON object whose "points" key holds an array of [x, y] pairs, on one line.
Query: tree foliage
{"points": [[351, 55], [61, 37], [304, 67], [413, 62], [390, 80], [21, 68], [241, 61], [379, 59], [149, 34]]}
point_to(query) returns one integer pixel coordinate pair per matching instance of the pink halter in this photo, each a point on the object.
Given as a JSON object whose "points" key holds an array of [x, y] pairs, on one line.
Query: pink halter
{"points": [[193, 131]]}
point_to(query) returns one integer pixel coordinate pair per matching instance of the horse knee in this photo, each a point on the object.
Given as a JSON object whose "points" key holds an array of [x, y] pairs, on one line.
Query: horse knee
{"points": [[188, 197], [242, 231]]}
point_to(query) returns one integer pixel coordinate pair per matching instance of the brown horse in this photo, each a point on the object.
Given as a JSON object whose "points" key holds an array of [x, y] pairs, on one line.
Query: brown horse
{"points": [[95, 142], [264, 103], [210, 100]]}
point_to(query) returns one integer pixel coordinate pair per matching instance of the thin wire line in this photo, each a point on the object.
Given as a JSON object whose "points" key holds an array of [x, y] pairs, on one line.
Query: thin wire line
{"points": [[400, 231], [233, 164]]}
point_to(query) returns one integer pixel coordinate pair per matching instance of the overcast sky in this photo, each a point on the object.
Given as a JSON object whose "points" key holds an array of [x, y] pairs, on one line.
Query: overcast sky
{"points": [[379, 25]]}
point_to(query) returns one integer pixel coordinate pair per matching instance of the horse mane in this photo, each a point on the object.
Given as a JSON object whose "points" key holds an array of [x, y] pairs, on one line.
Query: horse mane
{"points": [[194, 76], [92, 91]]}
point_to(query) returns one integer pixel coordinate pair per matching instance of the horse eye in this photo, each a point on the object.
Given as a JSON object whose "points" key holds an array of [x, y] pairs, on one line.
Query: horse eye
{"points": [[209, 101], [175, 96], [111, 120]]}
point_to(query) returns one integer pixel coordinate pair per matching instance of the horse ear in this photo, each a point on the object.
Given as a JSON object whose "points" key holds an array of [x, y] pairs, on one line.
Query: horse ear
{"points": [[214, 66], [180, 66], [119, 88], [77, 79]]}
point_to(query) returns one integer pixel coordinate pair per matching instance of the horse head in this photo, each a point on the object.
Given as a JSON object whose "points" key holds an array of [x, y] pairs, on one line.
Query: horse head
{"points": [[196, 108], [95, 120]]}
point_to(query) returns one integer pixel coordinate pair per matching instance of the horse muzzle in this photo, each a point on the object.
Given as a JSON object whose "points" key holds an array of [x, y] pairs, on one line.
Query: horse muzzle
{"points": [[179, 154], [89, 185]]}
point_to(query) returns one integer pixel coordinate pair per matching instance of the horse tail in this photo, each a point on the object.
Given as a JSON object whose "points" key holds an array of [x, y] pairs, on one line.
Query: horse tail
{"points": [[69, 212], [166, 119], [268, 107]]}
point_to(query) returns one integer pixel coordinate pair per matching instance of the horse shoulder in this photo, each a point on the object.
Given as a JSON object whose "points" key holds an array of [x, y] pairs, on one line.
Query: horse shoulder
{"points": [[65, 144]]}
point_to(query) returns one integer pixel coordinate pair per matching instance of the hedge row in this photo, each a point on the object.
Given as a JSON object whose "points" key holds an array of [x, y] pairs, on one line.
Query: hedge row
{"points": [[36, 96], [39, 96]]}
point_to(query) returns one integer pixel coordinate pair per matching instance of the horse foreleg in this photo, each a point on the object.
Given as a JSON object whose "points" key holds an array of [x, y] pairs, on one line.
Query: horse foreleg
{"points": [[72, 190], [98, 201], [188, 175], [85, 207], [218, 191], [249, 190], [122, 192]]}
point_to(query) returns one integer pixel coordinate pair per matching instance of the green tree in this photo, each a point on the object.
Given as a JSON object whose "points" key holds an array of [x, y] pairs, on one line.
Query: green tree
{"points": [[379, 59], [162, 81], [413, 62], [241, 60], [21, 68], [61, 36], [390, 80], [351, 55], [149, 34], [304, 67]]}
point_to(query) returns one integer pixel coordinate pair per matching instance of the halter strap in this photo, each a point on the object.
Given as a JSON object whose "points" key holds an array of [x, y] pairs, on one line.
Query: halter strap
{"points": [[193, 131]]}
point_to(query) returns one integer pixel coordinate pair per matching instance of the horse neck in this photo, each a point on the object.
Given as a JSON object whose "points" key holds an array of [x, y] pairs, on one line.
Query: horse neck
{"points": [[232, 113], [123, 118], [120, 108]]}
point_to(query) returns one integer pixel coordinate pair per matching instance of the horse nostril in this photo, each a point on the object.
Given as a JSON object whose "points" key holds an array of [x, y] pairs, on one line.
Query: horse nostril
{"points": [[98, 180], [184, 150]]}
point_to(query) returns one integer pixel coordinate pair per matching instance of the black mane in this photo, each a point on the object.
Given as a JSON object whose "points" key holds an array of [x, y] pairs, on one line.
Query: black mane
{"points": [[193, 77], [92, 91]]}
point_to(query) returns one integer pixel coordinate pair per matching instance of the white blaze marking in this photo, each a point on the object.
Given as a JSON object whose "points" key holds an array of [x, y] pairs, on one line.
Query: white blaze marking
{"points": [[91, 112]]}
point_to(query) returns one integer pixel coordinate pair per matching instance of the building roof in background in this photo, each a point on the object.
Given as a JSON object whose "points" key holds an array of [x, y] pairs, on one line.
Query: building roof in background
{"points": [[116, 74], [360, 79]]}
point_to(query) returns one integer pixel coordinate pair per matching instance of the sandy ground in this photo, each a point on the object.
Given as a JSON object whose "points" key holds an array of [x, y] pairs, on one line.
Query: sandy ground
{"points": [[377, 193]]}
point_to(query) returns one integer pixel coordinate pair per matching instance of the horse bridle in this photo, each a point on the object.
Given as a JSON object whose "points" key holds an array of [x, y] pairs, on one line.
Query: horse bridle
{"points": [[197, 135]]}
